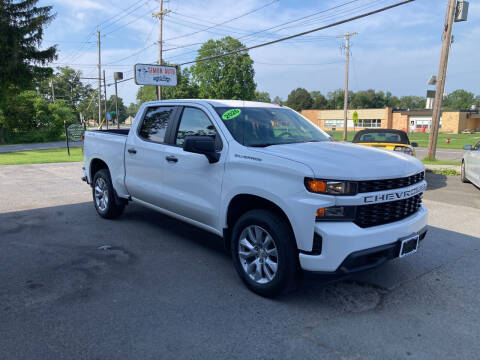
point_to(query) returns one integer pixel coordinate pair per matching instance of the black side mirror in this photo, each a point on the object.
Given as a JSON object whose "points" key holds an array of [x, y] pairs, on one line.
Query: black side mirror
{"points": [[414, 144], [202, 145], [467, 147]]}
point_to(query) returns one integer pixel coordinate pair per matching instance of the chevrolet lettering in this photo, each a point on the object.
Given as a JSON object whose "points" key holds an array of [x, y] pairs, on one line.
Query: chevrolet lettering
{"points": [[284, 197], [397, 195]]}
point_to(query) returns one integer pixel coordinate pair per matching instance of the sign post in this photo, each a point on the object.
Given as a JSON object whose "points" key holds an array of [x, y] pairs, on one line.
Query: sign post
{"points": [[355, 120], [156, 75]]}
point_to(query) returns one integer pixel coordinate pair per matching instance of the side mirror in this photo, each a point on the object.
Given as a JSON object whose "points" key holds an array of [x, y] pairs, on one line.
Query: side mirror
{"points": [[467, 147], [202, 145], [414, 144]]}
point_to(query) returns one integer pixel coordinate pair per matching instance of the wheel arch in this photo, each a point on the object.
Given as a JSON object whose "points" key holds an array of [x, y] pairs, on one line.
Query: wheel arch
{"points": [[241, 203]]}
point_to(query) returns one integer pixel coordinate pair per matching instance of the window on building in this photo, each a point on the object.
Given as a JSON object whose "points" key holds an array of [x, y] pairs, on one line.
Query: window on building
{"points": [[369, 123], [333, 123]]}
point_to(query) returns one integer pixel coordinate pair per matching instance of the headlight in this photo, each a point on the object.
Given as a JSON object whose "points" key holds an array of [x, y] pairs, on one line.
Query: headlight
{"points": [[330, 187], [336, 213], [403, 149]]}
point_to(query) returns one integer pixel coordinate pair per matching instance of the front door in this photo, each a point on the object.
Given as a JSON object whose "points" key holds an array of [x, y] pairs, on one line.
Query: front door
{"points": [[144, 154], [192, 186]]}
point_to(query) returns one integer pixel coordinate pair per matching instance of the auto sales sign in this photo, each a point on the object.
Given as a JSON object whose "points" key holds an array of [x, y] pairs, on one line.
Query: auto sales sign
{"points": [[157, 75]]}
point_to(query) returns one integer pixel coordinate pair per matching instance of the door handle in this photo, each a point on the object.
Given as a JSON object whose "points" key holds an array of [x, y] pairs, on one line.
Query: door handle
{"points": [[171, 158], [132, 151]]}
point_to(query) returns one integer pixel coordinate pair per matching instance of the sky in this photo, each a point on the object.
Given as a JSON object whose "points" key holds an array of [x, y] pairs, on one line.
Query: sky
{"points": [[396, 50]]}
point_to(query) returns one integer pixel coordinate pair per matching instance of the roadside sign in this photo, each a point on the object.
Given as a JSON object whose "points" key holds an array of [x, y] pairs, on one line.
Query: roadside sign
{"points": [[355, 117], [75, 132], [157, 75]]}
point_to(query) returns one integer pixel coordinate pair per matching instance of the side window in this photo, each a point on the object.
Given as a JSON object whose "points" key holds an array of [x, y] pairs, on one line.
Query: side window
{"points": [[477, 146], [194, 122], [155, 123]]}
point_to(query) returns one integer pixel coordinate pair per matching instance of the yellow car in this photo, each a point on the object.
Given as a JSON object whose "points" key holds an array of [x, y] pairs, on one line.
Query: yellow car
{"points": [[388, 139]]}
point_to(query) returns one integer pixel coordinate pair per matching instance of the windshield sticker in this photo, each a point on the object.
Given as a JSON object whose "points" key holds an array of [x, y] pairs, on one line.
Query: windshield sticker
{"points": [[230, 114]]}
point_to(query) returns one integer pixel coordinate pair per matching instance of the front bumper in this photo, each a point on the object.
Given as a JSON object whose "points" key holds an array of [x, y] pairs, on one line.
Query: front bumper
{"points": [[344, 240]]}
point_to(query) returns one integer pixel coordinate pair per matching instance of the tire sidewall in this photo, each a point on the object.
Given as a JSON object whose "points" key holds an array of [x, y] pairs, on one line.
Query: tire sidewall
{"points": [[105, 175], [462, 173], [286, 251]]}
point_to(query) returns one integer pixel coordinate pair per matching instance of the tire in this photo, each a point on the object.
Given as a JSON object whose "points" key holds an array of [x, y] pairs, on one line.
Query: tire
{"points": [[463, 178], [104, 197], [256, 266]]}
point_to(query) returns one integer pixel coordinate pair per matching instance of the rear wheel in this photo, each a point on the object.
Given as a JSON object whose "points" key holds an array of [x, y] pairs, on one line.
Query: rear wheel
{"points": [[104, 196], [462, 173], [264, 253]]}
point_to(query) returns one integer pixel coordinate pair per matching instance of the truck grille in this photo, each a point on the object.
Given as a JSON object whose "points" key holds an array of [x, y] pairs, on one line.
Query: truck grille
{"points": [[384, 213], [388, 184]]}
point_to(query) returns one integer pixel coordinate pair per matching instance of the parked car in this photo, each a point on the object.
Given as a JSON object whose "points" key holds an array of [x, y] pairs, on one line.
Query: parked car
{"points": [[471, 164], [281, 194], [388, 139]]}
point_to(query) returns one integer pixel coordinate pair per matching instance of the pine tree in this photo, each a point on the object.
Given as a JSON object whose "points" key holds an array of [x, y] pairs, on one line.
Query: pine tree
{"points": [[22, 62]]}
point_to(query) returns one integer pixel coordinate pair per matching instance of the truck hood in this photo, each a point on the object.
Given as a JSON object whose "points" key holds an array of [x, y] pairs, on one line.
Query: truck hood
{"points": [[346, 161]]}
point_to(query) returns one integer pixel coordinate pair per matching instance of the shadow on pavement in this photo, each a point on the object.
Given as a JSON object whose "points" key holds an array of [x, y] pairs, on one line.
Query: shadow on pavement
{"points": [[435, 181], [150, 286]]}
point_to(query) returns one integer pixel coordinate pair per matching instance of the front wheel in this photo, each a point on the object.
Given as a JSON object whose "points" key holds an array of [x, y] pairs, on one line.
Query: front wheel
{"points": [[264, 253], [104, 196], [463, 178]]}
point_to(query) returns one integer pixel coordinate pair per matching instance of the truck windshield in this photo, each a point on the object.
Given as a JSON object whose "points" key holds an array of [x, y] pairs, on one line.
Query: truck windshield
{"points": [[264, 126]]}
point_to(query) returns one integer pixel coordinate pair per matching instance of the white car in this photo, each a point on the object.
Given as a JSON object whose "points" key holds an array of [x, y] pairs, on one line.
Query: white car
{"points": [[471, 164], [284, 197]]}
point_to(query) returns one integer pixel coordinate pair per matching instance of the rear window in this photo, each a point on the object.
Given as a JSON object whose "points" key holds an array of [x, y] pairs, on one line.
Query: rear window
{"points": [[396, 137]]}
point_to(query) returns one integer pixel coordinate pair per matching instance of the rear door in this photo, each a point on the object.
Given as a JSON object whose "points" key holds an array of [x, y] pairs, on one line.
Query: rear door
{"points": [[144, 154], [192, 186]]}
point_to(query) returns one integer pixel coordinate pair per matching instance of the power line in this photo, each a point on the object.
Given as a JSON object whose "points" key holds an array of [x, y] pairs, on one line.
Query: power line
{"points": [[302, 33], [128, 23], [224, 22]]}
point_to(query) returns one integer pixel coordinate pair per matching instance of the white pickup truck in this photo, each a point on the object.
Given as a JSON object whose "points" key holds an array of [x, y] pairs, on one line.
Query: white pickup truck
{"points": [[282, 194]]}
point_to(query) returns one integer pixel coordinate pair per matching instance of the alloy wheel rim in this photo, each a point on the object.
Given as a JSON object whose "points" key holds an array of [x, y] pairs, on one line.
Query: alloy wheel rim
{"points": [[258, 254], [101, 194]]}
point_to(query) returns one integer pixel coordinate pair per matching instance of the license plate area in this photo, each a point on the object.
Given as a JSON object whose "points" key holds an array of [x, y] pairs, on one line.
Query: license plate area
{"points": [[408, 245]]}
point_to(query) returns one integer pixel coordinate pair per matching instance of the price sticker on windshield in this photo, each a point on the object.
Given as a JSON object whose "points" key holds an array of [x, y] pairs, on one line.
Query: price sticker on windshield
{"points": [[230, 114]]}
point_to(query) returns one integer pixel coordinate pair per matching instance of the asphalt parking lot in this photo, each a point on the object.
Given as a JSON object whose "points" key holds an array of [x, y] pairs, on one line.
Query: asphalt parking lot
{"points": [[75, 286]]}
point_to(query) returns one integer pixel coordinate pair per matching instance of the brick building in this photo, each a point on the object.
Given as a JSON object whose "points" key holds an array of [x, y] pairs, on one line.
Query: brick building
{"points": [[450, 122]]}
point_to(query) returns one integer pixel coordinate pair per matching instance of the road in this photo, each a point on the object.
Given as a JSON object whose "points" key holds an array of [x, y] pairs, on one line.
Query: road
{"points": [[161, 289], [38, 146], [441, 154]]}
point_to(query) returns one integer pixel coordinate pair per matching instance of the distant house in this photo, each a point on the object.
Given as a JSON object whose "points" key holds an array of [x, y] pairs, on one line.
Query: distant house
{"points": [[129, 120]]}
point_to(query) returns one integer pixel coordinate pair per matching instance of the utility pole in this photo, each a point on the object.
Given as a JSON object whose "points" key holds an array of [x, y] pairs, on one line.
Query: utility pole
{"points": [[105, 94], [53, 91], [99, 81], [159, 15], [345, 93], [442, 74], [116, 104]]}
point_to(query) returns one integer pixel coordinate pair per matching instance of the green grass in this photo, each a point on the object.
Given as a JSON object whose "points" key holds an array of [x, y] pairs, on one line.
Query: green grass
{"points": [[457, 141], [440, 162], [41, 156], [446, 172]]}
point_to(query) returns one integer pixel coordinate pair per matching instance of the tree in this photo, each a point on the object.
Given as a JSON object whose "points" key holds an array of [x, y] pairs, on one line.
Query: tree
{"points": [[412, 102], [68, 87], [262, 96], [299, 99], [185, 89], [146, 93], [459, 100], [122, 110], [278, 100], [132, 109], [21, 29], [335, 99], [319, 101], [227, 77]]}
